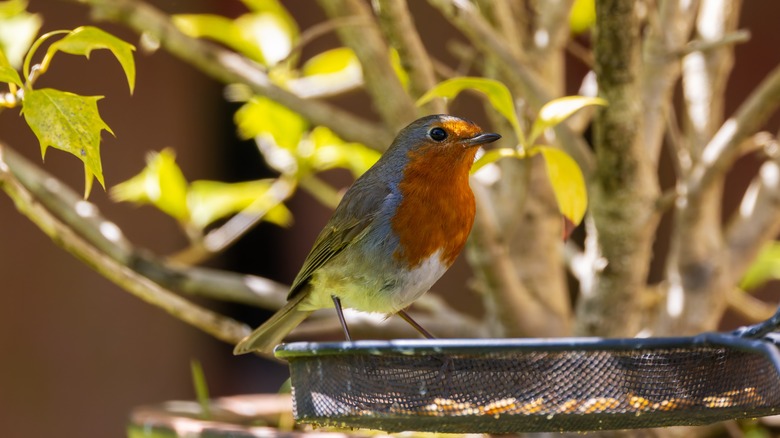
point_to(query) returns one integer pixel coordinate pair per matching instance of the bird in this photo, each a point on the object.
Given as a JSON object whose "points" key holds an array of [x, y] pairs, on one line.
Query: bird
{"points": [[394, 233]]}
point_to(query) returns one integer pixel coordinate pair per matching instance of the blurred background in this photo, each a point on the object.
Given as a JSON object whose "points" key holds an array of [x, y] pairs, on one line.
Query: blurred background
{"points": [[76, 352]]}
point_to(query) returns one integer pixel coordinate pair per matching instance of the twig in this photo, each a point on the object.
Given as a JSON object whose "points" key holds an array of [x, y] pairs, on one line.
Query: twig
{"points": [[321, 29], [229, 67], [389, 97], [738, 37], [516, 311], [221, 238], [85, 220], [757, 220], [724, 147], [750, 307], [397, 23], [220, 327], [668, 31], [580, 52]]}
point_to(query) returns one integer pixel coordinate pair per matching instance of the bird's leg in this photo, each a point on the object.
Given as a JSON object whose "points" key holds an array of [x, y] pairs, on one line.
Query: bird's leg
{"points": [[340, 313], [402, 313]]}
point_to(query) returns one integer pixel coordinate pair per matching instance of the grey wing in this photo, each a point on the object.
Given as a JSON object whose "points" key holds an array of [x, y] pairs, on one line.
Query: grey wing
{"points": [[351, 221]]}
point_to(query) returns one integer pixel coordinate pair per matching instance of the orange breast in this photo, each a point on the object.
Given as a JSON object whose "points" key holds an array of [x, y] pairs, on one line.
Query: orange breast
{"points": [[437, 209]]}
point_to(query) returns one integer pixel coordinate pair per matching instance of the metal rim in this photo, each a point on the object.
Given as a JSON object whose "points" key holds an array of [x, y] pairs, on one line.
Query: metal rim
{"points": [[421, 347]]}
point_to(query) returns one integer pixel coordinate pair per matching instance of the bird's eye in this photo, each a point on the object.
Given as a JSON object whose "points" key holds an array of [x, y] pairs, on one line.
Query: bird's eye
{"points": [[438, 134]]}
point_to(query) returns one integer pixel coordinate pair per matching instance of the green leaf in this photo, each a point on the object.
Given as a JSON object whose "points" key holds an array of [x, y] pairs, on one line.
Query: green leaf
{"points": [[395, 61], [17, 30], [7, 72], [330, 152], [220, 29], [330, 72], [582, 16], [201, 389], [266, 37], [262, 116], [558, 110], [567, 182], [161, 183], [212, 200], [497, 93], [765, 267], [68, 122], [494, 155], [83, 40]]}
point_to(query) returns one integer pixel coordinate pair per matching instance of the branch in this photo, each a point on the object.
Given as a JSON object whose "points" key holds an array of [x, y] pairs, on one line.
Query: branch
{"points": [[85, 220], [513, 310], [724, 147], [668, 32], [389, 97], [399, 27], [220, 327], [82, 225], [221, 238], [757, 220], [229, 67], [625, 186]]}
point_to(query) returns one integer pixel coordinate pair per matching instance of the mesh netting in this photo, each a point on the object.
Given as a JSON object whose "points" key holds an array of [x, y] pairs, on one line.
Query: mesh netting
{"points": [[516, 386]]}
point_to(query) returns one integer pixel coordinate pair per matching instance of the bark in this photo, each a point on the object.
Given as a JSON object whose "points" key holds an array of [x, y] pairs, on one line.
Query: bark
{"points": [[624, 188]]}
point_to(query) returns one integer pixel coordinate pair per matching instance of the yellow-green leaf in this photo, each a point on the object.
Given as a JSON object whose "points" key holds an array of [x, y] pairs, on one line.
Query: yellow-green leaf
{"points": [[161, 183], [558, 110], [7, 72], [266, 37], [17, 30], [330, 151], [494, 155], [497, 93], [212, 200], [68, 122], [262, 116], [395, 61], [567, 182], [270, 33], [765, 267], [582, 16], [330, 72], [83, 40]]}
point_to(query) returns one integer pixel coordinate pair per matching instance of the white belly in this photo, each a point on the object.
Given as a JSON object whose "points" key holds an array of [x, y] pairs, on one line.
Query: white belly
{"points": [[371, 290]]}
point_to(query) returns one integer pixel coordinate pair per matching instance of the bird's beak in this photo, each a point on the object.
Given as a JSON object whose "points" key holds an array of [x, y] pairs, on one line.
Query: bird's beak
{"points": [[481, 139]]}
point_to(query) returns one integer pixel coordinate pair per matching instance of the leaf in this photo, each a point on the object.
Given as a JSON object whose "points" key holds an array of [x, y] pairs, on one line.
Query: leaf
{"points": [[582, 16], [266, 37], [494, 155], [497, 93], [765, 267], [161, 183], [7, 72], [330, 152], [17, 30], [328, 73], [68, 122], [83, 40], [201, 389], [220, 29], [558, 110], [567, 182], [212, 200], [262, 116]]}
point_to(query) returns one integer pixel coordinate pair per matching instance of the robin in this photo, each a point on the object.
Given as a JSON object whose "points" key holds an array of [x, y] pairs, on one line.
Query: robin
{"points": [[398, 228]]}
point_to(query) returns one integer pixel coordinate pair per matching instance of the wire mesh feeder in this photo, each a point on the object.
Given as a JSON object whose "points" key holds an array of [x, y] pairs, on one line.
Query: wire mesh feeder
{"points": [[533, 385]]}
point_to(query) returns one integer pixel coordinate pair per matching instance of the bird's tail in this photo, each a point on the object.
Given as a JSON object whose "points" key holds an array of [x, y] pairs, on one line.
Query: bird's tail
{"points": [[271, 333]]}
